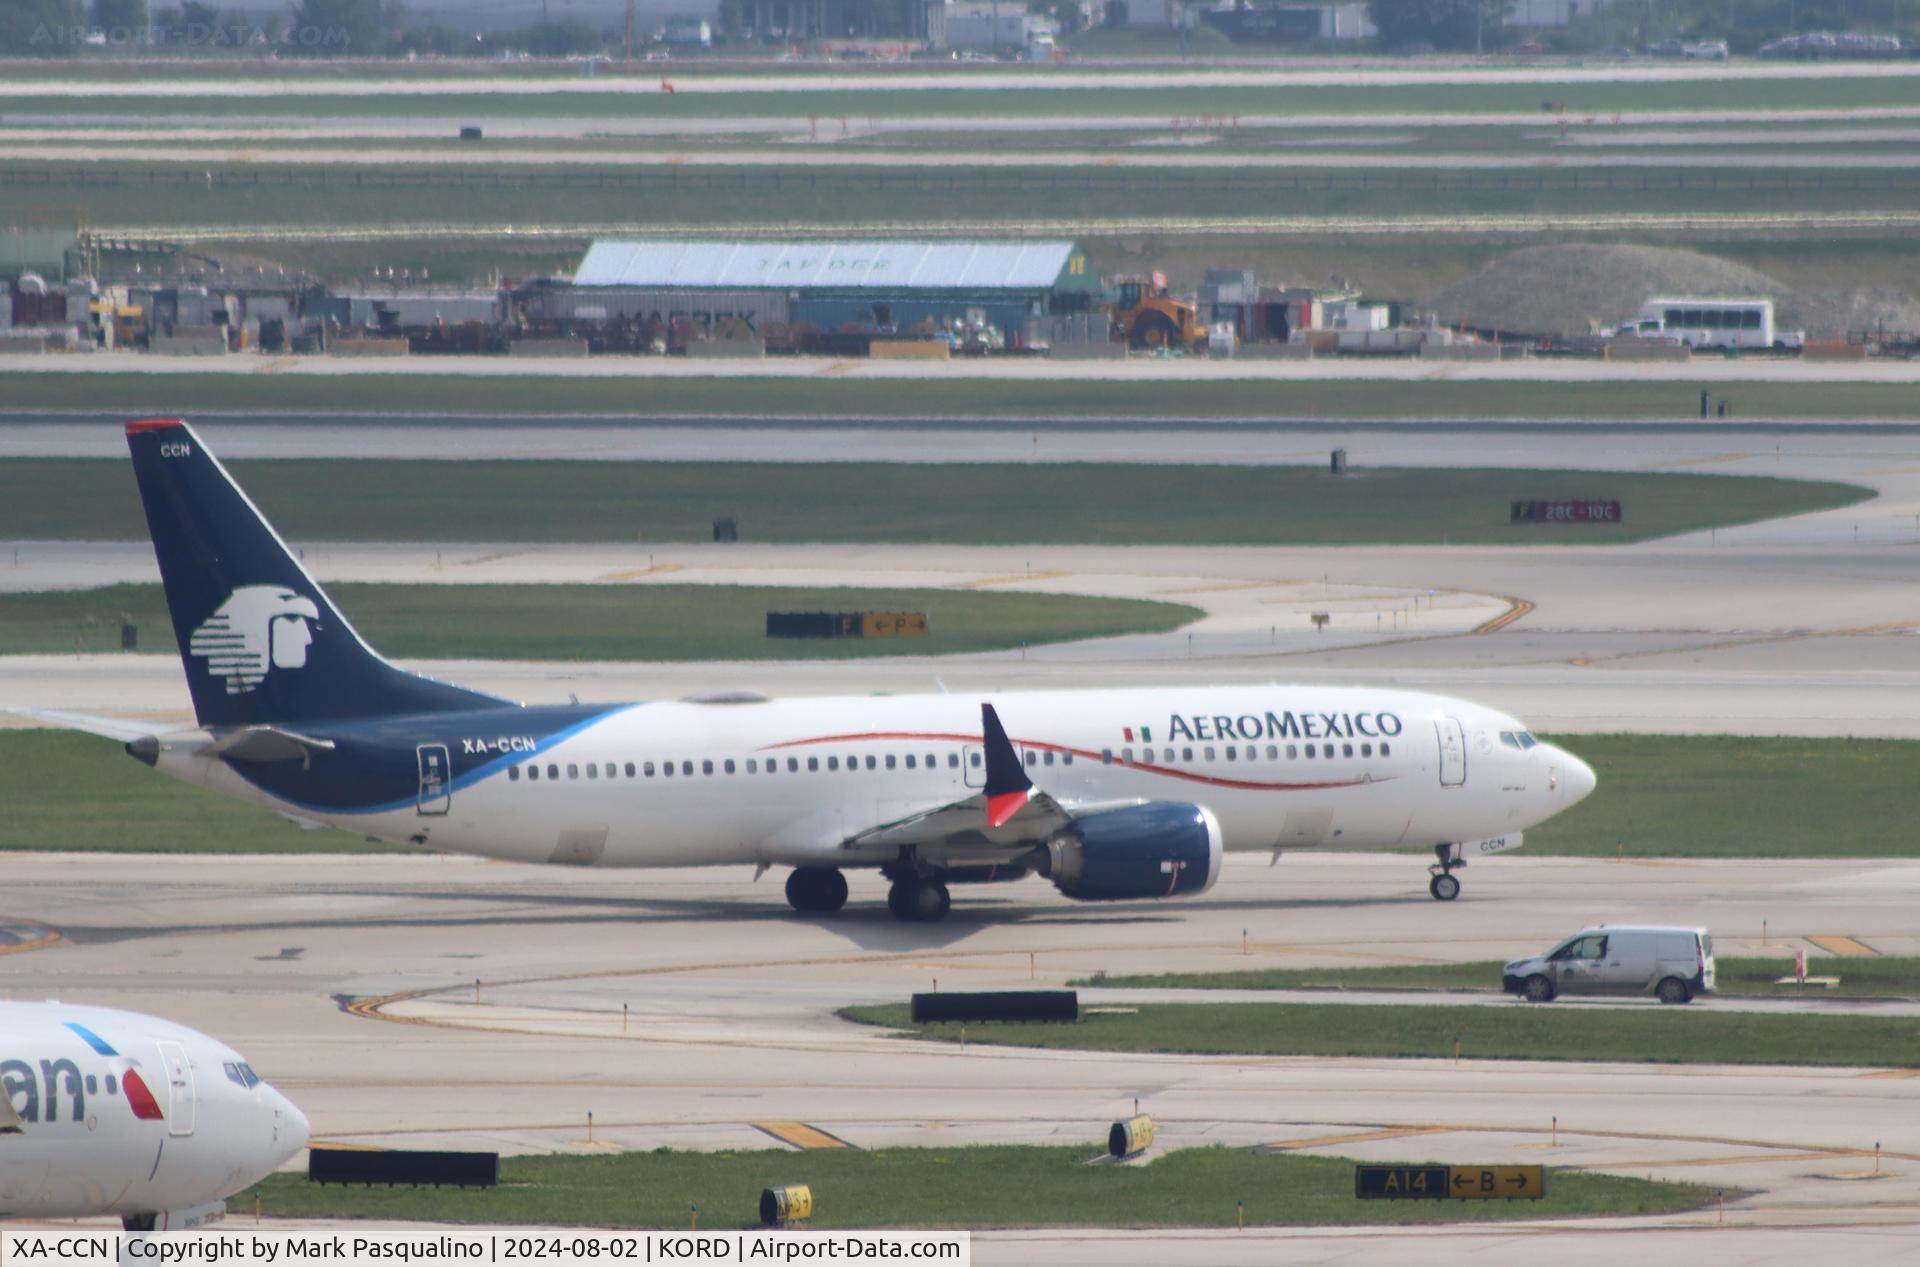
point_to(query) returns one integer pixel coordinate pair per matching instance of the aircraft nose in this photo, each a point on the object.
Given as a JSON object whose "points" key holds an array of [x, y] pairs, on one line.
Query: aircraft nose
{"points": [[1576, 778], [295, 1130]]}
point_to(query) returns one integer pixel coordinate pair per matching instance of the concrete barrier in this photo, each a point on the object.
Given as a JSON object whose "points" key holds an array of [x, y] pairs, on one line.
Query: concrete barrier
{"points": [[548, 347], [1274, 352], [910, 350], [1646, 350], [1088, 352], [368, 347], [1459, 351], [727, 350]]}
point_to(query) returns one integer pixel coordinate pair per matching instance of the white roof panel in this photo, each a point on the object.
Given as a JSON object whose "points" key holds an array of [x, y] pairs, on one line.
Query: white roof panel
{"points": [[818, 265]]}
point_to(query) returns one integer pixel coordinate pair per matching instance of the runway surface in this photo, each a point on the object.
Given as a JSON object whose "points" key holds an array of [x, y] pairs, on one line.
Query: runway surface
{"points": [[722, 986]]}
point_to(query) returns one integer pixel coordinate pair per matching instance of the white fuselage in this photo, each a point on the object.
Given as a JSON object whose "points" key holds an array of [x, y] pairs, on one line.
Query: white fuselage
{"points": [[190, 1127], [791, 781]]}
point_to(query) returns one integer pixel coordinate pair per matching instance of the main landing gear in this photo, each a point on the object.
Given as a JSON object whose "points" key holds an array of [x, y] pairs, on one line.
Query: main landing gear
{"points": [[817, 890], [1443, 886], [919, 899]]}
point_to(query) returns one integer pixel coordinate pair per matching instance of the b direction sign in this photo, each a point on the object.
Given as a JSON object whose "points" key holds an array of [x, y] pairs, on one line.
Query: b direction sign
{"points": [[1457, 1183]]}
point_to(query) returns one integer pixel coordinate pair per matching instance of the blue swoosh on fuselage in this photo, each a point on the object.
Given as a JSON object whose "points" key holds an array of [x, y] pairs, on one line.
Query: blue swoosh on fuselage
{"points": [[374, 766]]}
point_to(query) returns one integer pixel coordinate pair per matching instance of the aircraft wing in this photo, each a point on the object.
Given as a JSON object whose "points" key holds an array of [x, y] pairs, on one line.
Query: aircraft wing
{"points": [[119, 728], [1008, 813]]}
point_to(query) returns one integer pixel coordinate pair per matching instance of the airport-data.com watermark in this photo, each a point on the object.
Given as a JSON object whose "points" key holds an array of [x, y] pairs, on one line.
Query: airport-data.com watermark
{"points": [[223, 34]]}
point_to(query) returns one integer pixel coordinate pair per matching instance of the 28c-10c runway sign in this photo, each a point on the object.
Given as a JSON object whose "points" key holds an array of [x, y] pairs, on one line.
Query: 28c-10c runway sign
{"points": [[1461, 1183]]}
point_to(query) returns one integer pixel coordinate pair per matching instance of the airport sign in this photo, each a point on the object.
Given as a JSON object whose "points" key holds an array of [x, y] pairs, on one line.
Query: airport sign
{"points": [[1459, 1183]]}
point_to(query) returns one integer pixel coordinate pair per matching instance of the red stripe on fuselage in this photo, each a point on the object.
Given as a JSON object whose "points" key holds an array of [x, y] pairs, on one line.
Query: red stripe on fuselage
{"points": [[891, 736]]}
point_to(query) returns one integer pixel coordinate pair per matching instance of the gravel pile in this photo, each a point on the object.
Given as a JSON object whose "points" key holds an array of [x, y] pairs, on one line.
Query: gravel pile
{"points": [[1558, 290]]}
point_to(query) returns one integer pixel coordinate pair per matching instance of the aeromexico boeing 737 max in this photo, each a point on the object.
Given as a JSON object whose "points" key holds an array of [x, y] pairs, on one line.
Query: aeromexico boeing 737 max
{"points": [[1110, 794]]}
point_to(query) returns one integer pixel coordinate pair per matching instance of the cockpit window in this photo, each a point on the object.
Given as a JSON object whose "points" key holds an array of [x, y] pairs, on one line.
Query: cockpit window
{"points": [[1510, 739], [1527, 740], [241, 1074]]}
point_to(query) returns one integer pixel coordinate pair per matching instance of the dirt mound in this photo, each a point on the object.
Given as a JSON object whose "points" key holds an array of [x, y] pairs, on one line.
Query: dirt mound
{"points": [[1835, 313], [1559, 289]]}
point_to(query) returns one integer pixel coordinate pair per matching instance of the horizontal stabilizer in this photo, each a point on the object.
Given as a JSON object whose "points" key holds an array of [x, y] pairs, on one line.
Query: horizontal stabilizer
{"points": [[117, 728], [267, 743]]}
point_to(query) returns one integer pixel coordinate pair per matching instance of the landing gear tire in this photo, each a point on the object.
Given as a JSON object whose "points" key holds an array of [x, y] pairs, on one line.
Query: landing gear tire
{"points": [[1537, 989], [1673, 990], [919, 900], [1443, 887], [816, 890]]}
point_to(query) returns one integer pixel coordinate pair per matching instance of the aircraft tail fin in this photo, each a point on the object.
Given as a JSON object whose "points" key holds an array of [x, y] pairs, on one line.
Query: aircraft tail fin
{"points": [[261, 641]]}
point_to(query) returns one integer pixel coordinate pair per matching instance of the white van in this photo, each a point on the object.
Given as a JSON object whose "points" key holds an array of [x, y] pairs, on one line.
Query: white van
{"points": [[1673, 964]]}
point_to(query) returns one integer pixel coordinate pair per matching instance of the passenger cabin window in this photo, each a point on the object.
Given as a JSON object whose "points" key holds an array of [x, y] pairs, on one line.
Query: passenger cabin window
{"points": [[593, 771], [573, 771], [553, 770], [973, 758], [666, 769], [833, 763], [869, 763], [646, 768], [629, 769], [813, 763], [686, 768], [1386, 749], [1106, 756], [728, 766], [909, 761], [513, 774]]}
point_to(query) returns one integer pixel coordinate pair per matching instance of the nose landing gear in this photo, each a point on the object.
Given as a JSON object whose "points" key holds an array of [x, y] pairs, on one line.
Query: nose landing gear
{"points": [[1443, 886]]}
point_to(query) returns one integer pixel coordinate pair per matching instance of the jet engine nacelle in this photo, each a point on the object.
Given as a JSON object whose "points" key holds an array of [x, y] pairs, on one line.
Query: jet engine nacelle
{"points": [[1159, 849]]}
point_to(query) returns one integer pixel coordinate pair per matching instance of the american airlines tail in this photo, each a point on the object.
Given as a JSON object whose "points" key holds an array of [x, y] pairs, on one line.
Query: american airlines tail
{"points": [[243, 606], [1112, 795]]}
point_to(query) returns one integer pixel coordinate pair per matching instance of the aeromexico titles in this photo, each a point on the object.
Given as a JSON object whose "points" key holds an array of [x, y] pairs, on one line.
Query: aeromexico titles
{"points": [[1111, 794]]}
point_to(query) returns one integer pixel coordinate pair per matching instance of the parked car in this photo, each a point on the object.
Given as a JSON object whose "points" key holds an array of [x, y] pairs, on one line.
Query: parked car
{"points": [[1665, 48], [1705, 51], [1672, 964]]}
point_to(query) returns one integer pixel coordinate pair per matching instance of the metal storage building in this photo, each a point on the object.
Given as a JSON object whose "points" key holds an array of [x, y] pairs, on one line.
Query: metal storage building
{"points": [[876, 287]]}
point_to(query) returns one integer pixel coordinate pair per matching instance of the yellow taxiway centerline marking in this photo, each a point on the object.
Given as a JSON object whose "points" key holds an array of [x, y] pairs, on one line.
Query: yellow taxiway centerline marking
{"points": [[47, 937], [1700, 461], [634, 574], [800, 1135], [1330, 1141], [1893, 1073], [1747, 1159], [1846, 946], [1517, 608]]}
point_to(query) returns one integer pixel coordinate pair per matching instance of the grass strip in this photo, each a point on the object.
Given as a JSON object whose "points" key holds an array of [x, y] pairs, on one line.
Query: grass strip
{"points": [[908, 503], [1883, 978], [609, 622], [1721, 796], [895, 402], [73, 792], [1522, 1031], [1580, 96], [979, 1187]]}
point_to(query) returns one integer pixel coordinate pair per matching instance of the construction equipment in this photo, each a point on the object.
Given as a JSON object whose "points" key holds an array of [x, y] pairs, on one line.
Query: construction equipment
{"points": [[1146, 316]]}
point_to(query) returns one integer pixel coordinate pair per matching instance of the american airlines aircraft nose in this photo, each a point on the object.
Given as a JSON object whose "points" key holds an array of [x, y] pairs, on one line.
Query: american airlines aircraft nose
{"points": [[295, 1130]]}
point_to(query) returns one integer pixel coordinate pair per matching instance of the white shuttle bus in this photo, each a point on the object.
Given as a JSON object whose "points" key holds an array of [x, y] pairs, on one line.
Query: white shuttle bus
{"points": [[1713, 323]]}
